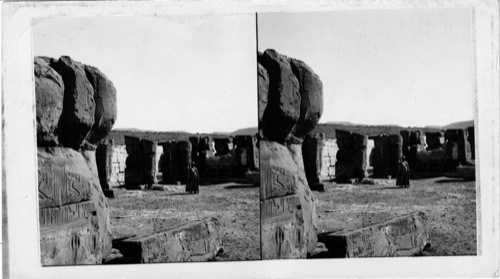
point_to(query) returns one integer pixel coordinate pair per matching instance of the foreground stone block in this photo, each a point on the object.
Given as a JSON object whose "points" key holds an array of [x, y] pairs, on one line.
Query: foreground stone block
{"points": [[282, 228], [401, 236], [194, 242], [69, 235]]}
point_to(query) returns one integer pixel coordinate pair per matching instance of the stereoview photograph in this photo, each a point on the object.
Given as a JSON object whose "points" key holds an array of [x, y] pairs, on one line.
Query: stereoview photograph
{"points": [[146, 135], [367, 127]]}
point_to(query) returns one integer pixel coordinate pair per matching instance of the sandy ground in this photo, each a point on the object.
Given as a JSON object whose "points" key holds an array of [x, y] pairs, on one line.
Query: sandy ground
{"points": [[236, 206], [450, 205]]}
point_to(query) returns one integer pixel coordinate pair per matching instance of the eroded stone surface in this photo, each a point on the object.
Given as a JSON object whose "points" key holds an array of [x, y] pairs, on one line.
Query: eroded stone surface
{"points": [[193, 242], [105, 104], [290, 104], [401, 236], [311, 98], [283, 100], [69, 235], [49, 88], [282, 230], [79, 106]]}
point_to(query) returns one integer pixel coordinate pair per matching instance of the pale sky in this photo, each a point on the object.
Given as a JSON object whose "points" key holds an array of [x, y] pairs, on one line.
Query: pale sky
{"points": [[406, 67], [191, 73]]}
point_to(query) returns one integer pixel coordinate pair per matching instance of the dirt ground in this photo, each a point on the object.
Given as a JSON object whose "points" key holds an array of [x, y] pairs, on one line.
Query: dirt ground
{"points": [[449, 203], [236, 206]]}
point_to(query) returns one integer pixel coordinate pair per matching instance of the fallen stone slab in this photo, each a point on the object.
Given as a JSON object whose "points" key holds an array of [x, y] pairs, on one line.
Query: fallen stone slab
{"points": [[404, 235], [194, 242]]}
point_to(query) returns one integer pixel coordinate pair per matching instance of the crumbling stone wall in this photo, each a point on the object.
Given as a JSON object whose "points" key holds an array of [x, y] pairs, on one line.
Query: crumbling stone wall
{"points": [[312, 151], [290, 105], [351, 157], [387, 152], [329, 153], [118, 159], [75, 109]]}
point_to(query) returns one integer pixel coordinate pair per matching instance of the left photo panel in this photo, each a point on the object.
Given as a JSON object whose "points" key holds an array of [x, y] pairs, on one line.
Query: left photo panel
{"points": [[146, 133]]}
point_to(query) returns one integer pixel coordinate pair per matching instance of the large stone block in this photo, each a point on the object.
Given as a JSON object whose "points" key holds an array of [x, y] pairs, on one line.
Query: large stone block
{"points": [[311, 98], [63, 177], [105, 104], [433, 140], [282, 228], [312, 150], [49, 88], [308, 203], [193, 242], [69, 235], [283, 101], [104, 160], [351, 159], [100, 202], [263, 81], [401, 236], [79, 106], [278, 171]]}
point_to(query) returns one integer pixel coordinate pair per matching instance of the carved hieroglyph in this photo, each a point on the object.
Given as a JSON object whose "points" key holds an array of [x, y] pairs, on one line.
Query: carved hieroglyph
{"points": [[69, 235]]}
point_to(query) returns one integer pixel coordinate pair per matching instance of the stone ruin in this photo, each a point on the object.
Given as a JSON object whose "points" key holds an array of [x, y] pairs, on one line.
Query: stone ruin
{"points": [[104, 160], [215, 158], [387, 152], [140, 164], [290, 105], [424, 151], [459, 150], [175, 161], [413, 142], [75, 110], [312, 152], [351, 156]]}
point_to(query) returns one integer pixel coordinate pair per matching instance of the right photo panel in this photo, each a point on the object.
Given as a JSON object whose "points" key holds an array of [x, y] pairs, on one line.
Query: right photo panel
{"points": [[366, 127]]}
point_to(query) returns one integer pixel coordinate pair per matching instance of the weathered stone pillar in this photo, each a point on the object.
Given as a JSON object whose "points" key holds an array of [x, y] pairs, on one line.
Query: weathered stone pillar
{"points": [[74, 218], [455, 153], [104, 160], [387, 152], [312, 151], [351, 156], [290, 105], [182, 159], [141, 163]]}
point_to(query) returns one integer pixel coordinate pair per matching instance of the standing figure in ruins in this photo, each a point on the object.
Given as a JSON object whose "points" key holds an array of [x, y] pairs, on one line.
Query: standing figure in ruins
{"points": [[403, 179], [192, 180]]}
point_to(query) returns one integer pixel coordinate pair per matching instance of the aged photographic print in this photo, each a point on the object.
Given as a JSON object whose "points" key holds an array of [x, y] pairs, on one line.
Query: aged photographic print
{"points": [[250, 139], [146, 135], [367, 120]]}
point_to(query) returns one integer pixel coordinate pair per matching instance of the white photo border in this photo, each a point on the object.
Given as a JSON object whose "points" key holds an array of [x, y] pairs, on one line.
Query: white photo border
{"points": [[21, 250]]}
